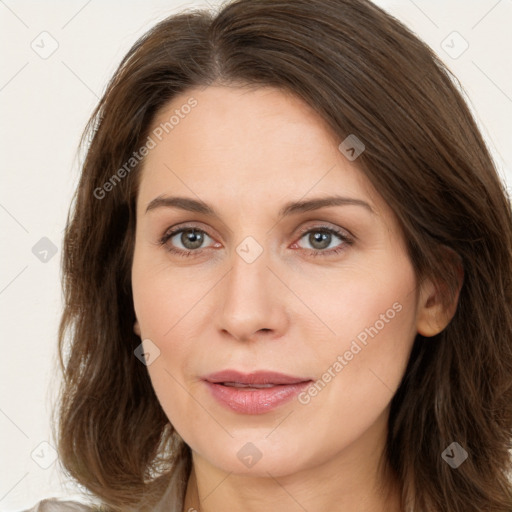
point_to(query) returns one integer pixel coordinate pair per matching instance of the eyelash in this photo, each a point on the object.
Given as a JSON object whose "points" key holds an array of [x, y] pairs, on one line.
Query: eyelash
{"points": [[325, 253]]}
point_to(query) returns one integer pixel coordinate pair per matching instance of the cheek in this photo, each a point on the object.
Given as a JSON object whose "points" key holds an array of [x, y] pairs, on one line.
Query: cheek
{"points": [[361, 366], [167, 304], [367, 302], [163, 296]]}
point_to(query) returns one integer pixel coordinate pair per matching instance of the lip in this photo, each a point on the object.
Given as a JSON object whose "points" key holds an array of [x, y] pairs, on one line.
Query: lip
{"points": [[280, 388]]}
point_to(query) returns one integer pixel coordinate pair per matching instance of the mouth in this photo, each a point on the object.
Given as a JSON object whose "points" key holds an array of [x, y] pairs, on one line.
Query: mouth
{"points": [[254, 393], [251, 386], [255, 379]]}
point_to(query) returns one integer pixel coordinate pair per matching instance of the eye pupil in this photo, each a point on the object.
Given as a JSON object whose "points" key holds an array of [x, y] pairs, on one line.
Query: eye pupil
{"points": [[195, 238], [321, 238]]}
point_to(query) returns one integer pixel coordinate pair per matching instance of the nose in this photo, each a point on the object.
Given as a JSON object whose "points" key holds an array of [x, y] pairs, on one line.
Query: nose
{"points": [[252, 300]]}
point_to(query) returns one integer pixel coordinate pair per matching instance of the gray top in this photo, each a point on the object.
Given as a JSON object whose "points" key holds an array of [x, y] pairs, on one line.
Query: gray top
{"points": [[55, 505], [171, 501]]}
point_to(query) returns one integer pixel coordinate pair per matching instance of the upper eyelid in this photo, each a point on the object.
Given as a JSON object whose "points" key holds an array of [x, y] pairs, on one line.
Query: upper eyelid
{"points": [[192, 225], [329, 228], [175, 230]]}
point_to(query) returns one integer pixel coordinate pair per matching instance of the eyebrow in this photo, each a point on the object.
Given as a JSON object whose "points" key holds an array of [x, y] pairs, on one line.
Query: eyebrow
{"points": [[193, 205]]}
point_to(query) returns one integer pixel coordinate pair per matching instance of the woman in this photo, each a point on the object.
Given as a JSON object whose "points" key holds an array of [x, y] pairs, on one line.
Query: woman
{"points": [[287, 275]]}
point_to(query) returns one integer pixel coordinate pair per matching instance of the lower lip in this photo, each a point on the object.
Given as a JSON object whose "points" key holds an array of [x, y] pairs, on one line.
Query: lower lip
{"points": [[255, 400]]}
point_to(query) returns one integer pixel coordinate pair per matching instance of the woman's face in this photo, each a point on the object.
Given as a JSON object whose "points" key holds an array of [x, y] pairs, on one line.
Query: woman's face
{"points": [[271, 282]]}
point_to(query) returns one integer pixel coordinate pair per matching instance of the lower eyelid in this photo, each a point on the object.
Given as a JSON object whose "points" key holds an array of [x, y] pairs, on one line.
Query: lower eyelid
{"points": [[344, 240]]}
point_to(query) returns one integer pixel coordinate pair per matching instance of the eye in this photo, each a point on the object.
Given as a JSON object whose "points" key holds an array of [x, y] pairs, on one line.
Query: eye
{"points": [[320, 238], [190, 238]]}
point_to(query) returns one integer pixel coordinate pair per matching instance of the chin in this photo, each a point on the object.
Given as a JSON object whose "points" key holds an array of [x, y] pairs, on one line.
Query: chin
{"points": [[256, 455]]}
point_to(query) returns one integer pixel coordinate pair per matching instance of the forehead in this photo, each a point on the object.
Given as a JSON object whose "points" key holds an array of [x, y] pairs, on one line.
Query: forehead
{"points": [[252, 144]]}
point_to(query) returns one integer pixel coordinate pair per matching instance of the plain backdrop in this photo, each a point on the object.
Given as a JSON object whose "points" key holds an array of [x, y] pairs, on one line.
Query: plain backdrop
{"points": [[45, 101]]}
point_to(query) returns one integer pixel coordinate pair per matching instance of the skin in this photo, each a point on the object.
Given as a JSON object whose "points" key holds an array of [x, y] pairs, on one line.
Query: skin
{"points": [[247, 152]]}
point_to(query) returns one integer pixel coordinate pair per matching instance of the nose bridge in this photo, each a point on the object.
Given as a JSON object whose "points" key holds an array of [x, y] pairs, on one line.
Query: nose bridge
{"points": [[248, 279], [250, 298]]}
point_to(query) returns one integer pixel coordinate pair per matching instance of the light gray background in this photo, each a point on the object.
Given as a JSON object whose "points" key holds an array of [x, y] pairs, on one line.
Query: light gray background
{"points": [[45, 103]]}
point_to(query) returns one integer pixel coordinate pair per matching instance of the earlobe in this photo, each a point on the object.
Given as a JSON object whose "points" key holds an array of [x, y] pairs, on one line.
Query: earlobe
{"points": [[435, 307], [136, 328], [430, 320]]}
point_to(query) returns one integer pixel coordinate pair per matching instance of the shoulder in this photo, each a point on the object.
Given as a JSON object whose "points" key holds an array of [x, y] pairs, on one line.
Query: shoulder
{"points": [[55, 505]]}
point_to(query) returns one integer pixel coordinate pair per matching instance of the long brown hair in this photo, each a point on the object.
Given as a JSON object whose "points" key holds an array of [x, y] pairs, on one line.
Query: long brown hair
{"points": [[365, 74]]}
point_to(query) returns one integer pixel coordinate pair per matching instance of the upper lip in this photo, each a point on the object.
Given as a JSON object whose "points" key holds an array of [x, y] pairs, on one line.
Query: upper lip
{"points": [[257, 377]]}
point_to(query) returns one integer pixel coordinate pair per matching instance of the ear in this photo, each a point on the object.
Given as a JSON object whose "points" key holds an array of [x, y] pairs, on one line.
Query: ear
{"points": [[436, 306], [136, 328]]}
